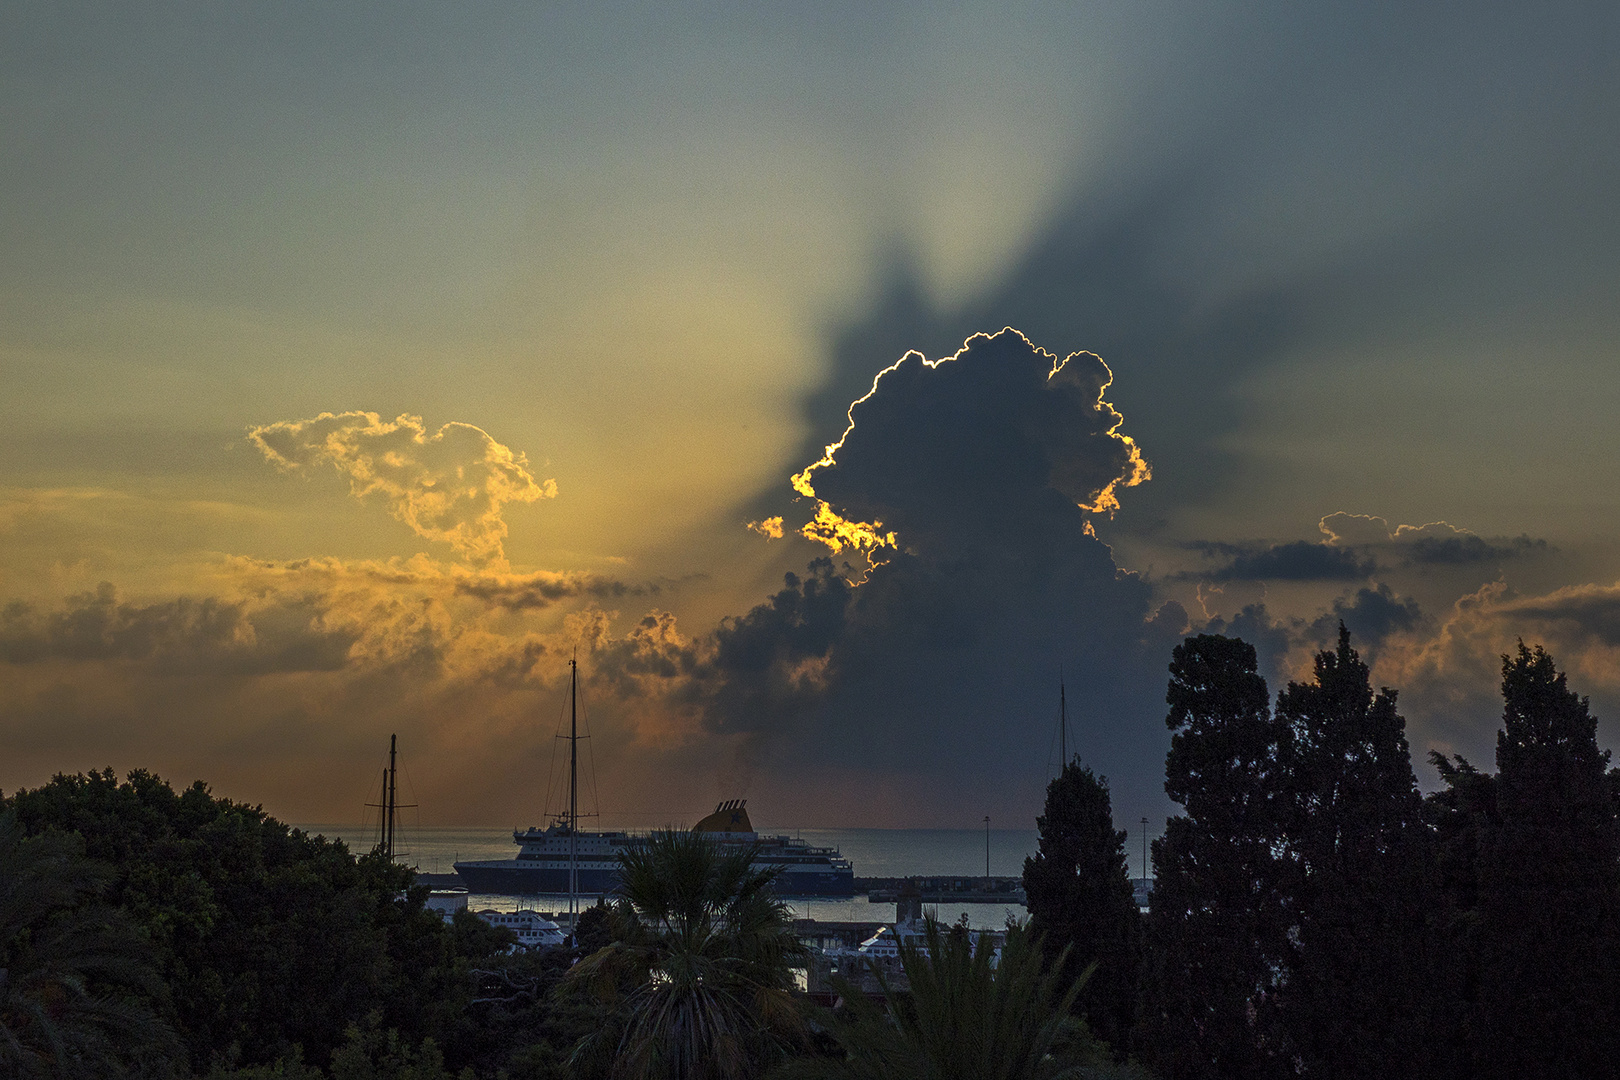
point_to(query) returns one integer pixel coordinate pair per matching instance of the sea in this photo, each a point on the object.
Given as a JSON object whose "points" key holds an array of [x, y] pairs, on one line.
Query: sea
{"points": [[874, 853]]}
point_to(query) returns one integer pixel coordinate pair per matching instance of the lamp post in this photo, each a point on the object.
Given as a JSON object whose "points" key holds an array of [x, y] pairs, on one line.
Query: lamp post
{"points": [[987, 851], [1144, 850]]}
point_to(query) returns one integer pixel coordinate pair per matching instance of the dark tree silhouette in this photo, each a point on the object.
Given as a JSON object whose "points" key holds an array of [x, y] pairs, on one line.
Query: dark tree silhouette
{"points": [[1460, 816], [267, 938], [1218, 924], [1081, 906], [76, 977], [1549, 893], [1356, 995]]}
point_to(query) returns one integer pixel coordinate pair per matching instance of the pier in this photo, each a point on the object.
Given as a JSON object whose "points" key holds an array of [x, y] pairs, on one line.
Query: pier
{"points": [[943, 889]]}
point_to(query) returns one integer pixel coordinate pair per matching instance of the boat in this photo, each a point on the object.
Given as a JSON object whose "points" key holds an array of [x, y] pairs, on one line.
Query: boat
{"points": [[563, 859], [541, 866]]}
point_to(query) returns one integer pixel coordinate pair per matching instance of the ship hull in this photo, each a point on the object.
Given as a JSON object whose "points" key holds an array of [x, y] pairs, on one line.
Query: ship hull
{"points": [[508, 880], [535, 881]]}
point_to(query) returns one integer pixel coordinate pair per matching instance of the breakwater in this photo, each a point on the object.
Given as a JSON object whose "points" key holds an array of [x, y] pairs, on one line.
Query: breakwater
{"points": [[943, 889]]}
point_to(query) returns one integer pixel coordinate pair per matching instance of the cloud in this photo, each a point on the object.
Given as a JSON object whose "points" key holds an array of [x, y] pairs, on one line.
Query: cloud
{"points": [[1372, 615], [1000, 423], [449, 487], [184, 634], [1437, 543], [770, 528], [1468, 549], [1296, 561]]}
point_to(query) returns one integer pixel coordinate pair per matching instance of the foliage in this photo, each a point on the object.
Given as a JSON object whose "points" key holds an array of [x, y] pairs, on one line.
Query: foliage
{"points": [[268, 940], [1549, 885], [518, 1023], [73, 972], [967, 1016], [1080, 900], [700, 969], [1219, 919], [1460, 816], [1356, 993]]}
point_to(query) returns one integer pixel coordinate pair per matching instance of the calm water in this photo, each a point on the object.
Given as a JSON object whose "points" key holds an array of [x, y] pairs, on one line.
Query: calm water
{"points": [[875, 853]]}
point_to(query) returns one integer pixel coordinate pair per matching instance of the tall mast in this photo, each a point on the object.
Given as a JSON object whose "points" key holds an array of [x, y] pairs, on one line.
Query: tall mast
{"points": [[1063, 727], [390, 789], [573, 789]]}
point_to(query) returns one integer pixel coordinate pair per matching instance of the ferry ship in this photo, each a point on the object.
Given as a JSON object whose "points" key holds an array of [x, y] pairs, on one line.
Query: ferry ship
{"points": [[562, 860], [542, 864]]}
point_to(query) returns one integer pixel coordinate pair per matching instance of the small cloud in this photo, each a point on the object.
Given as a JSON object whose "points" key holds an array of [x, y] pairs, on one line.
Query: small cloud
{"points": [[1437, 543], [770, 528], [449, 486], [1466, 548]]}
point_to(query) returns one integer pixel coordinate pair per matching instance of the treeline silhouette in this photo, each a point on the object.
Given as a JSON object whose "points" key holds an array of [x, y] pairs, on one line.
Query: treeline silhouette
{"points": [[1312, 915]]}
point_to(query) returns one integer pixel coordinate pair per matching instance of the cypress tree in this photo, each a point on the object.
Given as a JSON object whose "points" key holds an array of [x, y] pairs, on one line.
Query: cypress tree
{"points": [[1459, 817], [1217, 927], [1080, 899], [1356, 991], [1549, 892]]}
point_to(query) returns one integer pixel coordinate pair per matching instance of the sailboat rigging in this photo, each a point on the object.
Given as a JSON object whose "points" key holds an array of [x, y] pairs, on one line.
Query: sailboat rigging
{"points": [[390, 801]]}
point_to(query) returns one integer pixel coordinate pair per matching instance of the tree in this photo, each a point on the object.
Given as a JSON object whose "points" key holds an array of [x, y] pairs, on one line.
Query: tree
{"points": [[1081, 905], [1460, 816], [75, 977], [267, 939], [1549, 892], [1218, 922], [966, 1016], [701, 967], [1356, 993]]}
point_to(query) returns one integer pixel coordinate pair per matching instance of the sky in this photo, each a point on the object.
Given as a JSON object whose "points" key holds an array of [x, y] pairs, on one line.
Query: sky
{"points": [[833, 382]]}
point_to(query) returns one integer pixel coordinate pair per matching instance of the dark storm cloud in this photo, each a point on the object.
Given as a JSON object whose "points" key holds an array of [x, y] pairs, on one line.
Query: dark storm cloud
{"points": [[1296, 561], [987, 448], [946, 646]]}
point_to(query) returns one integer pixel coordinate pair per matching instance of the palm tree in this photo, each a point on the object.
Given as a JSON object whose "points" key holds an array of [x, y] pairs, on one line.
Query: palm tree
{"points": [[700, 970], [969, 1015], [67, 968]]}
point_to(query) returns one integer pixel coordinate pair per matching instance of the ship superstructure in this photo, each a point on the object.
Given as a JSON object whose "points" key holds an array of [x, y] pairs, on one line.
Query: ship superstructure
{"points": [[805, 870]]}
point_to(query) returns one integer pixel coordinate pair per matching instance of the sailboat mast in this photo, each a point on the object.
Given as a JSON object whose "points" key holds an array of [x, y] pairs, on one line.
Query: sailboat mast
{"points": [[573, 788], [389, 791], [1063, 728]]}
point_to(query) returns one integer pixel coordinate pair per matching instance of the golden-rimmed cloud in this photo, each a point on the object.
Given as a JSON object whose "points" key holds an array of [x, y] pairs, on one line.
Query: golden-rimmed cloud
{"points": [[449, 486], [982, 436], [1435, 543]]}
